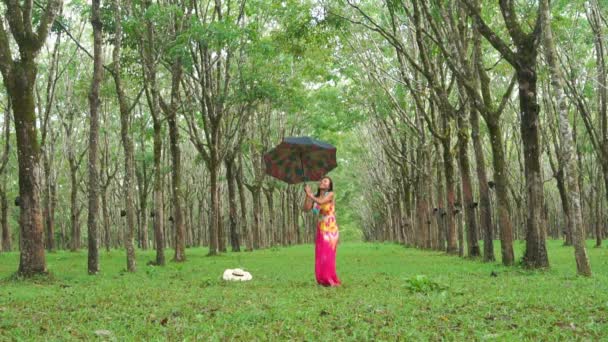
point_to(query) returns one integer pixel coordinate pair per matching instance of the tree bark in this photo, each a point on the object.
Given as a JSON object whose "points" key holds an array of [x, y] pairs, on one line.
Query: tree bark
{"points": [[152, 96], [256, 194], [176, 177], [448, 164], [231, 178], [5, 234], [244, 226], [535, 255], [567, 145], [74, 212], [215, 207], [485, 207], [272, 231], [94, 102], [106, 220], [467, 188], [127, 141], [20, 78]]}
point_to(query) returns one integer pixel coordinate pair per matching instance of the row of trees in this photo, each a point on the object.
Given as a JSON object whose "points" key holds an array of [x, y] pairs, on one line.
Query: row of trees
{"points": [[164, 123], [538, 85], [472, 121]]}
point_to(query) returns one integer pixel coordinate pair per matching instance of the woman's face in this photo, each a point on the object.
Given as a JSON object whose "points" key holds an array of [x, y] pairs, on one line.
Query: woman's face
{"points": [[324, 183]]}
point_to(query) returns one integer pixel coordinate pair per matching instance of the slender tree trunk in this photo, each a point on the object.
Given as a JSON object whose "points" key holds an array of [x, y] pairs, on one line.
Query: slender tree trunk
{"points": [[284, 222], [567, 146], [74, 214], [596, 20], [448, 164], [94, 101], [215, 207], [6, 233], [106, 219], [295, 208], [244, 226], [221, 236], [257, 213], [153, 102], [561, 187], [467, 189], [178, 212], [49, 217], [127, 142], [502, 197], [234, 233], [485, 207], [598, 219], [271, 219]]}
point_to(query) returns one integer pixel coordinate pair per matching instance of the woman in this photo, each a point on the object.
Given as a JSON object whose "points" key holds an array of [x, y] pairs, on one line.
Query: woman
{"points": [[327, 231]]}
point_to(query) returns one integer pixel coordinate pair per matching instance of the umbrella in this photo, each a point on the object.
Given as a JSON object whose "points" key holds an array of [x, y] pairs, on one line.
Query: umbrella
{"points": [[300, 159]]}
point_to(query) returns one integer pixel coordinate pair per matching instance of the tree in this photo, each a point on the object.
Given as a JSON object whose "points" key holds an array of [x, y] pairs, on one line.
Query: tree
{"points": [[523, 60], [94, 103], [5, 234], [211, 85], [19, 77], [148, 47], [127, 140], [567, 146]]}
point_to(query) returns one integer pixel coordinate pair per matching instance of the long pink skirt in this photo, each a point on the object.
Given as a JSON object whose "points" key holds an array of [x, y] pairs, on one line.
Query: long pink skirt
{"points": [[325, 258]]}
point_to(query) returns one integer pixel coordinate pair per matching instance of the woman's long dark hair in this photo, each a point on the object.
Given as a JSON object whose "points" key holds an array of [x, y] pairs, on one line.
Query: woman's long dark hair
{"points": [[331, 187]]}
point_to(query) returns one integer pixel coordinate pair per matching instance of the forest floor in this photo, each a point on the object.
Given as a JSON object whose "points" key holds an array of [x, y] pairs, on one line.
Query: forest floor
{"points": [[389, 293]]}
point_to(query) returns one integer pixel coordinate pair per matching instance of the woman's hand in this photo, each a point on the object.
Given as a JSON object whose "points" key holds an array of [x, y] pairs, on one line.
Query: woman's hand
{"points": [[307, 190]]}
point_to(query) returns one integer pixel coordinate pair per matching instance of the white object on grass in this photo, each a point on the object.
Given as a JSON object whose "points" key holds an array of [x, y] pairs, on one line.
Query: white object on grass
{"points": [[237, 274]]}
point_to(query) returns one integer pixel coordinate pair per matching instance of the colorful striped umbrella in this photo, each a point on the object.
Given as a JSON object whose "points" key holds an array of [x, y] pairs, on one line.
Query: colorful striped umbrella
{"points": [[300, 159]]}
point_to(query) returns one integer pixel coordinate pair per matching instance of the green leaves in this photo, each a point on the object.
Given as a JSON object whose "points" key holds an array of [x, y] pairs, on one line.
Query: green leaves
{"points": [[423, 284]]}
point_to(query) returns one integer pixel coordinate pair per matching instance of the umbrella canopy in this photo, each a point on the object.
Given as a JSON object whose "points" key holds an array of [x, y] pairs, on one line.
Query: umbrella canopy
{"points": [[300, 159]]}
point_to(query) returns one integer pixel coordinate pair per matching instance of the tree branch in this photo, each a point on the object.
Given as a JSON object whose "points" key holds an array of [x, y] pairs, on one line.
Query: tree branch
{"points": [[490, 35]]}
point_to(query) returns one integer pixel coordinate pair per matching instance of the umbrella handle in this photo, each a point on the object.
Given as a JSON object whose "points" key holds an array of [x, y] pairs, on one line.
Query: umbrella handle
{"points": [[302, 166]]}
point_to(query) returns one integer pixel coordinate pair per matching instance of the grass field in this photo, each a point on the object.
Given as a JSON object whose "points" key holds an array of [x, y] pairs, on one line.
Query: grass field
{"points": [[389, 293]]}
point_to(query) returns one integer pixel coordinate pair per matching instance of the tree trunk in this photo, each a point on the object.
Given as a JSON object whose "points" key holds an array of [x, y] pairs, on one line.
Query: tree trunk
{"points": [[221, 236], [127, 142], [272, 238], [106, 219], [215, 206], [244, 226], [452, 237], [93, 210], [49, 211], [6, 233], [485, 207], [536, 250], [234, 234], [178, 213], [467, 189], [21, 90], [561, 187], [74, 214], [153, 102], [20, 79], [502, 196], [567, 146], [257, 212]]}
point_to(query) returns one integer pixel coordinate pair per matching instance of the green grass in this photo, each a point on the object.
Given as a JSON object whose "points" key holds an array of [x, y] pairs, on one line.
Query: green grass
{"points": [[389, 293]]}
